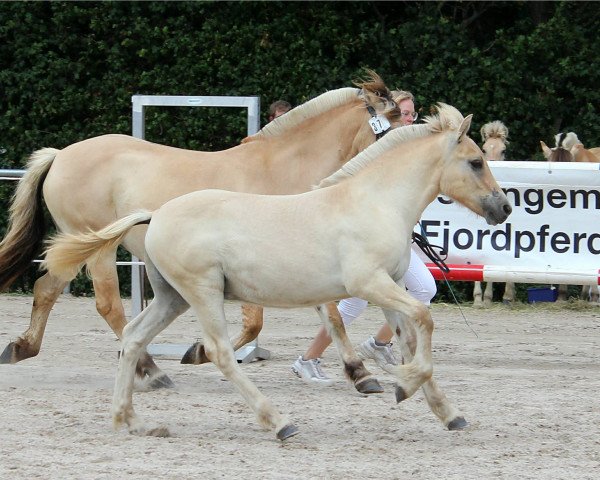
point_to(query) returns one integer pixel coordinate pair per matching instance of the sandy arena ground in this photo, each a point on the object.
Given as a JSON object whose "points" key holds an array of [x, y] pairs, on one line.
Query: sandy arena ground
{"points": [[527, 379]]}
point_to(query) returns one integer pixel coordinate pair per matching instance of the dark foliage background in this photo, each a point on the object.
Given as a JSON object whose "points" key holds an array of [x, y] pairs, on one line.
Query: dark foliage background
{"points": [[69, 68]]}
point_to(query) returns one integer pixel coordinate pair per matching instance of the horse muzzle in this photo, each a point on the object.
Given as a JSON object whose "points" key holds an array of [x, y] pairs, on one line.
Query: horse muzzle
{"points": [[496, 208]]}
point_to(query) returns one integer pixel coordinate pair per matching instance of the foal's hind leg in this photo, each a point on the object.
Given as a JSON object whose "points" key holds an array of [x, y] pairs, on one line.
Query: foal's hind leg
{"points": [[110, 306], [354, 368], [252, 318], [436, 399], [166, 307], [45, 292]]}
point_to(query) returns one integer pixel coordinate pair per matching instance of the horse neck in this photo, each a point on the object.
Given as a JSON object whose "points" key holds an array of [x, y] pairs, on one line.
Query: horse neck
{"points": [[405, 179], [320, 145]]}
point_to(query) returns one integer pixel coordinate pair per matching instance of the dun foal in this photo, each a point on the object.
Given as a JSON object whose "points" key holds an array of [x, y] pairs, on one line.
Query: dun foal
{"points": [[350, 237]]}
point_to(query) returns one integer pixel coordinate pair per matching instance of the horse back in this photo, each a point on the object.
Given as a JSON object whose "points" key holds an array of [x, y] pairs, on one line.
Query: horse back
{"points": [[95, 181]]}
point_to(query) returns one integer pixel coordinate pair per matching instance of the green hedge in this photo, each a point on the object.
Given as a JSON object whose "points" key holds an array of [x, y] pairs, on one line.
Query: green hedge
{"points": [[69, 68]]}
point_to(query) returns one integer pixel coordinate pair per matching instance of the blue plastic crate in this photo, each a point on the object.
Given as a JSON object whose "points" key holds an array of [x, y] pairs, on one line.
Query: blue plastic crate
{"points": [[548, 294]]}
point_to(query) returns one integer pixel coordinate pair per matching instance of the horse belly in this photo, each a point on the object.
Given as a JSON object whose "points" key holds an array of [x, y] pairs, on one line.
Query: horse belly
{"points": [[260, 258], [282, 285]]}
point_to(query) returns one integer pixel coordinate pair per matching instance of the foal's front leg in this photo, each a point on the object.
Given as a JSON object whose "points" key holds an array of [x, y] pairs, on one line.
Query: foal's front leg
{"points": [[383, 291], [354, 368], [436, 399]]}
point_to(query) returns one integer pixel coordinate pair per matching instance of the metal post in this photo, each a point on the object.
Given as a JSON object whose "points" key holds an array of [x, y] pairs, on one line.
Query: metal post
{"points": [[250, 351]]}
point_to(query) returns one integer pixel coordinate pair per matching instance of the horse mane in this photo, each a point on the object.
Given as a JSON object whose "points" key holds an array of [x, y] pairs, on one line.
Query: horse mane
{"points": [[495, 129], [310, 109], [447, 118], [372, 90]]}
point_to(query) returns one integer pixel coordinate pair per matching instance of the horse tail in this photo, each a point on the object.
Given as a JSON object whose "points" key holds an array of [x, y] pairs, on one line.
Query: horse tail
{"points": [[66, 253], [26, 225]]}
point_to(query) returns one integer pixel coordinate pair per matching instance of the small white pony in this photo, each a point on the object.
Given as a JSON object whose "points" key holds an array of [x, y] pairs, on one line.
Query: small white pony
{"points": [[349, 239]]}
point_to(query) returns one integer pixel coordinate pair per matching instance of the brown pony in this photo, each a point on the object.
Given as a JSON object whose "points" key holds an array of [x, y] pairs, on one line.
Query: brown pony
{"points": [[92, 183]]}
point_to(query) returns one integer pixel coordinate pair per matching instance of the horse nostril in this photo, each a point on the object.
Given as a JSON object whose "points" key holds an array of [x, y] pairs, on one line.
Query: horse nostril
{"points": [[507, 209]]}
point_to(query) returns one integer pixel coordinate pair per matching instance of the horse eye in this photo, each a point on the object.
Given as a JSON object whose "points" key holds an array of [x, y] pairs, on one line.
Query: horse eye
{"points": [[476, 164]]}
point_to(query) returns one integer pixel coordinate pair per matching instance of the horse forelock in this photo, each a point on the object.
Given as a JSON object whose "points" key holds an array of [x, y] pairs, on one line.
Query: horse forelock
{"points": [[310, 109], [448, 118], [495, 129], [374, 151], [376, 94], [560, 154]]}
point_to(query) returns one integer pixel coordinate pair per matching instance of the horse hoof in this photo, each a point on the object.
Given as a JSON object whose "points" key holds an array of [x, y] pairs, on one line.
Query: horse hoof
{"points": [[400, 394], [162, 381], [459, 423], [15, 352], [368, 386], [287, 432], [8, 354], [195, 355]]}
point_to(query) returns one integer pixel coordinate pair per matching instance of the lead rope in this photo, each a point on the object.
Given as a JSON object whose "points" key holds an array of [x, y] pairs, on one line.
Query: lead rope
{"points": [[420, 239]]}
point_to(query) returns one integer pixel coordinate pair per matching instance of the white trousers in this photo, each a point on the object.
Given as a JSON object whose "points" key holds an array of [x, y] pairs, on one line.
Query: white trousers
{"points": [[419, 283]]}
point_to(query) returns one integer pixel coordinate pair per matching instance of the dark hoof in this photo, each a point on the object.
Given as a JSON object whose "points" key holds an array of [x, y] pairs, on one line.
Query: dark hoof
{"points": [[195, 355], [15, 352], [162, 381], [368, 386], [400, 394], [459, 423], [8, 354], [287, 432]]}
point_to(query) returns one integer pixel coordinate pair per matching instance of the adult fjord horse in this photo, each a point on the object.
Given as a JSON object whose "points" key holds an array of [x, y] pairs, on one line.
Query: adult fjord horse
{"points": [[351, 237], [92, 183]]}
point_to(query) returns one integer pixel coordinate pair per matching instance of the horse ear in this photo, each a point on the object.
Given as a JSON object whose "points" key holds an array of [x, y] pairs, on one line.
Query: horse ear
{"points": [[464, 127], [546, 150]]}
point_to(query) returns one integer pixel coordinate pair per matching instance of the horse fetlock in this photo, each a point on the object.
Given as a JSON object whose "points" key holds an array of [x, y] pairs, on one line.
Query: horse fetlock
{"points": [[356, 371]]}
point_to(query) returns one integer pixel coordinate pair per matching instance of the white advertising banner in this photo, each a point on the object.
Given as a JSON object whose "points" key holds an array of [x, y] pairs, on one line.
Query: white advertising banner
{"points": [[552, 235]]}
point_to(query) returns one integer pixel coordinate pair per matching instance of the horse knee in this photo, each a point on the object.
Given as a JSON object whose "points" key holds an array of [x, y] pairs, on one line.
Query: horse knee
{"points": [[103, 308]]}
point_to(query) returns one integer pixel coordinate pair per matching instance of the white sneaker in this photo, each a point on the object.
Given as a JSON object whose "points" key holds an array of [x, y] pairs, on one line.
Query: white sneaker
{"points": [[383, 355], [310, 371]]}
